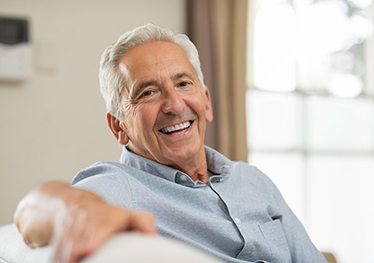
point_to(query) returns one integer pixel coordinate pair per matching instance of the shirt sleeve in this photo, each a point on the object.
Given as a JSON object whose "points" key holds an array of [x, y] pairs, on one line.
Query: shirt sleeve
{"points": [[108, 180]]}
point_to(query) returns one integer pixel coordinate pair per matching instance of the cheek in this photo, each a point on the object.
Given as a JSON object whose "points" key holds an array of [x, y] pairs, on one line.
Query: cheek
{"points": [[198, 104], [144, 117]]}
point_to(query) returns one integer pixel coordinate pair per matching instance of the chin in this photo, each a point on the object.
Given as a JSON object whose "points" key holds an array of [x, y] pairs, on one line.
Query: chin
{"points": [[183, 153]]}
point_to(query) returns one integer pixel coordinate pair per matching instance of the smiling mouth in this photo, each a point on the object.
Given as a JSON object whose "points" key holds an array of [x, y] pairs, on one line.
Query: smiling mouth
{"points": [[176, 128]]}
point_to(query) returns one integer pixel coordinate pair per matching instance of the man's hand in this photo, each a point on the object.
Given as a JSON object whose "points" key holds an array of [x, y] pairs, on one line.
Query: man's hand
{"points": [[76, 221]]}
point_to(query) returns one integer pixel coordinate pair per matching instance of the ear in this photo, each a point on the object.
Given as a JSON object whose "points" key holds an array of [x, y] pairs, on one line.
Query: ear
{"points": [[118, 129], [208, 106]]}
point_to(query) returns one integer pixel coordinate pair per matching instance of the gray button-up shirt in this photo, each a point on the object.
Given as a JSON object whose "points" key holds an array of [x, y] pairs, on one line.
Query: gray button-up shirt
{"points": [[239, 216]]}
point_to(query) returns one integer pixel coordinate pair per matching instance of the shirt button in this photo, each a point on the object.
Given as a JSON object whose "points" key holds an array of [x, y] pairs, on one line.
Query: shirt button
{"points": [[183, 177], [237, 220]]}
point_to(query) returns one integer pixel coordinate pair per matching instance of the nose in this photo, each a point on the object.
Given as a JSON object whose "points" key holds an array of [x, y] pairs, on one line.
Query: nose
{"points": [[173, 102]]}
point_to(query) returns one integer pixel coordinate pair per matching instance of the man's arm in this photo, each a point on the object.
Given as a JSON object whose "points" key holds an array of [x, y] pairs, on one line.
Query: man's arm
{"points": [[76, 221]]}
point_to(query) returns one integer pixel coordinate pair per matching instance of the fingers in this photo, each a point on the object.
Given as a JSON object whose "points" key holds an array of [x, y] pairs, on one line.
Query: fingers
{"points": [[143, 222], [120, 220], [37, 234], [35, 228], [73, 234], [77, 221], [36, 212], [85, 231]]}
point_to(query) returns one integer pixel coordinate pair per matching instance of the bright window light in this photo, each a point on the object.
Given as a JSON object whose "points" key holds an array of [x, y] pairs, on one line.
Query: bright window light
{"points": [[345, 85], [310, 115]]}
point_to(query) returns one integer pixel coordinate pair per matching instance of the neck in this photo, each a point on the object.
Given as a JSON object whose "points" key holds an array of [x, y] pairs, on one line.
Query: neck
{"points": [[195, 167]]}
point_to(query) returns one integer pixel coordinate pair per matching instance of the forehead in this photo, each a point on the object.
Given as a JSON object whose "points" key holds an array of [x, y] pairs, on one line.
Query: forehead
{"points": [[153, 58]]}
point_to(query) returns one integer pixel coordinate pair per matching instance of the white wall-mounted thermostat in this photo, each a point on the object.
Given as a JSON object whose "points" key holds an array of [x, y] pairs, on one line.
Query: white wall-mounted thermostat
{"points": [[15, 49]]}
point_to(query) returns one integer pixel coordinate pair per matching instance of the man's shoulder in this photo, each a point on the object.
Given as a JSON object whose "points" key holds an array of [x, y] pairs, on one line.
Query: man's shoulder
{"points": [[110, 180], [103, 169], [252, 173], [247, 168]]}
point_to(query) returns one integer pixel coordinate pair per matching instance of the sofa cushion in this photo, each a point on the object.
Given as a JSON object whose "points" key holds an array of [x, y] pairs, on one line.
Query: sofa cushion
{"points": [[124, 247], [13, 249]]}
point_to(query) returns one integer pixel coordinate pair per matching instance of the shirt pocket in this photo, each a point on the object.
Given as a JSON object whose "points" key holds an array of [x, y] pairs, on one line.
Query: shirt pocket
{"points": [[275, 238]]}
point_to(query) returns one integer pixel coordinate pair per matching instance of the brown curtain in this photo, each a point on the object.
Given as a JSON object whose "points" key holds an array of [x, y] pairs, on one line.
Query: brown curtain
{"points": [[218, 29]]}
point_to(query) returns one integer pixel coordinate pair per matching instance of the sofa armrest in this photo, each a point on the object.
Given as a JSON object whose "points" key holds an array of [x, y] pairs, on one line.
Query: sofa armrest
{"points": [[13, 249], [123, 247], [140, 248]]}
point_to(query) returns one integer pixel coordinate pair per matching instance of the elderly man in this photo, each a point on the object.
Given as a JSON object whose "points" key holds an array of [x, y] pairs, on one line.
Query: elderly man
{"points": [[158, 108]]}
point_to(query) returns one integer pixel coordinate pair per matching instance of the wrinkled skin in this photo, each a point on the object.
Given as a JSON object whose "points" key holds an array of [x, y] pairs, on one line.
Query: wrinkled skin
{"points": [[77, 222]]}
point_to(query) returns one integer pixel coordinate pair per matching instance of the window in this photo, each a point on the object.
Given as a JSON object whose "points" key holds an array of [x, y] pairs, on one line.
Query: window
{"points": [[310, 111]]}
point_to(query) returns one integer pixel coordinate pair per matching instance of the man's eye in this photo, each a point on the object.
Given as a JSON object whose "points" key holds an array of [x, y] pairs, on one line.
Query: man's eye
{"points": [[184, 84], [147, 93]]}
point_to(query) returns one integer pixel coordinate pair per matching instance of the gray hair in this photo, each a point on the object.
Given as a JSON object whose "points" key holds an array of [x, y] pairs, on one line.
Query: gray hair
{"points": [[113, 81]]}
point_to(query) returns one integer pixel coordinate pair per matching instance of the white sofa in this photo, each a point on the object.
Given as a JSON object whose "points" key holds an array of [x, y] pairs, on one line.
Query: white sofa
{"points": [[124, 247]]}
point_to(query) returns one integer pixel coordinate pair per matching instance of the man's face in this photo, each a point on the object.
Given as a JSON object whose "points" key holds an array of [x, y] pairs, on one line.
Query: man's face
{"points": [[168, 108]]}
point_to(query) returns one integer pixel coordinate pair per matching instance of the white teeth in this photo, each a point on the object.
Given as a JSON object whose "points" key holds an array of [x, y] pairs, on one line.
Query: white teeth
{"points": [[176, 127]]}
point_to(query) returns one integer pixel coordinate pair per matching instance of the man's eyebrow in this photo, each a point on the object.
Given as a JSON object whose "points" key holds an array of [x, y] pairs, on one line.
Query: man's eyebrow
{"points": [[181, 75]]}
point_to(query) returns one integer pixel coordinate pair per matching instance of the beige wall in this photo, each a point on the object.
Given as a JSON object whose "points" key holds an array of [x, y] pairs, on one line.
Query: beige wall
{"points": [[53, 124]]}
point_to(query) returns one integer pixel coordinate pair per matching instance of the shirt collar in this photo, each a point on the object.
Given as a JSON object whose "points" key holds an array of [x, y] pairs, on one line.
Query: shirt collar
{"points": [[218, 166]]}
